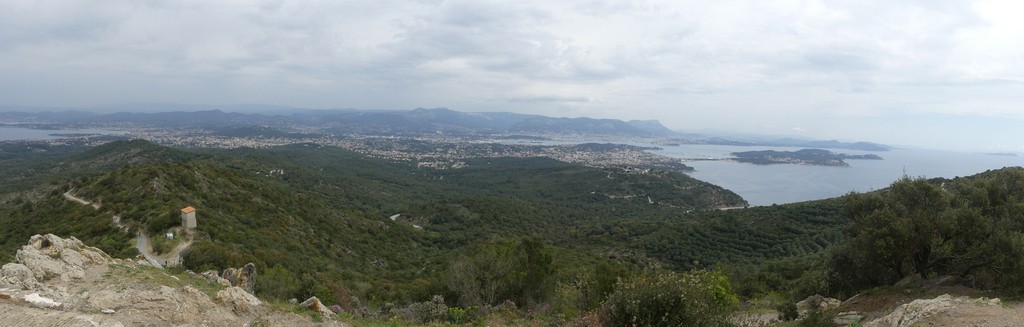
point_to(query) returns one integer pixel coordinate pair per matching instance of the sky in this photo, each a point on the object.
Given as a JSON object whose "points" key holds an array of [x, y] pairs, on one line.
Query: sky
{"points": [[929, 73]]}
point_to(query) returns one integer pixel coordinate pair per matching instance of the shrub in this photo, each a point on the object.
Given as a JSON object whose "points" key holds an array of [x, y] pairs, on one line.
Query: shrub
{"points": [[423, 312], [663, 298], [461, 316], [787, 310], [519, 271], [816, 318]]}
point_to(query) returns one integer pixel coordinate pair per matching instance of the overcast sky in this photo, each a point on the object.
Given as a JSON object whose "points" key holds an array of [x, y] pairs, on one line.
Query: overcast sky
{"points": [[934, 73]]}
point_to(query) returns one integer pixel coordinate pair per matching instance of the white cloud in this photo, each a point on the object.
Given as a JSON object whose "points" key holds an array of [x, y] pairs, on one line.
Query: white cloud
{"points": [[764, 65]]}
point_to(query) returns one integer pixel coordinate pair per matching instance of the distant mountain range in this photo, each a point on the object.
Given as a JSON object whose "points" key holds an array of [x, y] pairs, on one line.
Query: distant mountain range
{"points": [[418, 121], [798, 143]]}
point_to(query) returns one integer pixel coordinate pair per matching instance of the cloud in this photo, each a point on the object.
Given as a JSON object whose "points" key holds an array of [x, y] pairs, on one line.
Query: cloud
{"points": [[764, 65], [550, 98]]}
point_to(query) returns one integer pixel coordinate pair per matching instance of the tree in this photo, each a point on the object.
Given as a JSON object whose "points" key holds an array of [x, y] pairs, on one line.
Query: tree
{"points": [[904, 229], [971, 228], [519, 271]]}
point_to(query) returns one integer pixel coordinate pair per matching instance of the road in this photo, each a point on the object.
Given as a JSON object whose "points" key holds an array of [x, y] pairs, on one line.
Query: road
{"points": [[142, 242], [69, 196], [144, 248]]}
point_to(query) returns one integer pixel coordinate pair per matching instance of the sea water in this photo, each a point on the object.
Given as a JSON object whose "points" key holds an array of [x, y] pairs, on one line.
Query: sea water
{"points": [[787, 183]]}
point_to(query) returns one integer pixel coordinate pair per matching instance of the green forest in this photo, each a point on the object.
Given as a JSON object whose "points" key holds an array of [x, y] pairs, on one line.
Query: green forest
{"points": [[532, 236]]}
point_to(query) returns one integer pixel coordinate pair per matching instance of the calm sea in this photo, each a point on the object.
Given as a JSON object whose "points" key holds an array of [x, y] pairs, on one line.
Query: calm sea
{"points": [[766, 185]]}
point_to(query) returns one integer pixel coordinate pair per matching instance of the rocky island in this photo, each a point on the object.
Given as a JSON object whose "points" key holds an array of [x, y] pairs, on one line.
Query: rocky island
{"points": [[815, 157]]}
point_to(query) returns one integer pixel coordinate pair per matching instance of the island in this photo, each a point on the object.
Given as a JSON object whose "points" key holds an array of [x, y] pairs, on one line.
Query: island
{"points": [[815, 157]]}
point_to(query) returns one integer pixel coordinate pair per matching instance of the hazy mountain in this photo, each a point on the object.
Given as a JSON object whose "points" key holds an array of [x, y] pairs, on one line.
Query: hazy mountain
{"points": [[374, 122], [590, 126], [183, 119], [792, 142]]}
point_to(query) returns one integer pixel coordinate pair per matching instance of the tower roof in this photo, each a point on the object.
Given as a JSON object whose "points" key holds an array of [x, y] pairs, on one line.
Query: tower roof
{"points": [[188, 209]]}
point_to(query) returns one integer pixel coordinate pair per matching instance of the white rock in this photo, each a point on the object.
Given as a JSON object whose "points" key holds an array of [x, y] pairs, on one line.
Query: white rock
{"points": [[108, 311], [40, 301]]}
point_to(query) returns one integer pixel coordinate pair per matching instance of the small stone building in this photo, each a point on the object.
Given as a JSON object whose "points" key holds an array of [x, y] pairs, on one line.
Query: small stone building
{"points": [[188, 217]]}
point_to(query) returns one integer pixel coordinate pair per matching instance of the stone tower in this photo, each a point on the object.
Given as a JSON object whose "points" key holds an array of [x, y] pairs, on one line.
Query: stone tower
{"points": [[188, 217]]}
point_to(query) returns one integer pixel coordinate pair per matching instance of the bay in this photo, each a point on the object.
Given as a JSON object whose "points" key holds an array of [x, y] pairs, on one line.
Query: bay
{"points": [[17, 133], [788, 183]]}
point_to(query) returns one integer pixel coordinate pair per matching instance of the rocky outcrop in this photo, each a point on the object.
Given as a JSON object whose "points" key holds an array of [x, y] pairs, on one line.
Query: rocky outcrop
{"points": [[18, 276], [239, 299], [913, 312], [244, 277], [847, 318], [313, 303], [48, 257], [815, 303], [212, 276], [61, 282]]}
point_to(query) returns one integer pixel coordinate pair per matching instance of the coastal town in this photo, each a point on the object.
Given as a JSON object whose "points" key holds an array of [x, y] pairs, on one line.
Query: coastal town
{"points": [[425, 151]]}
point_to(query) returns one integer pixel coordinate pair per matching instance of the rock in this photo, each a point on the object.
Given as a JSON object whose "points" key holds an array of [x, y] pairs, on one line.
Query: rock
{"points": [[19, 276], [336, 308], [815, 302], [43, 266], [314, 304], [244, 277], [40, 301], [241, 300], [231, 274], [912, 280], [910, 313], [49, 244], [755, 319], [213, 277], [847, 318], [140, 296], [49, 256]]}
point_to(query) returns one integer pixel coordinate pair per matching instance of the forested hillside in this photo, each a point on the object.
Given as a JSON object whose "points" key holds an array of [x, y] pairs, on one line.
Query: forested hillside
{"points": [[330, 222]]}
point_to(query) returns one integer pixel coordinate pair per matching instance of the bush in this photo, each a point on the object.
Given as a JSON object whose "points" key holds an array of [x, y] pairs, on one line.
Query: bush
{"points": [[663, 298], [519, 271], [461, 316], [423, 312], [816, 318], [787, 310]]}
